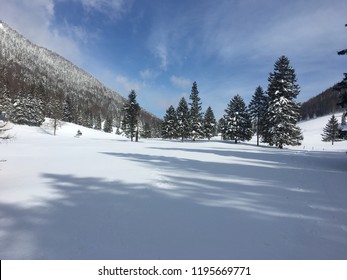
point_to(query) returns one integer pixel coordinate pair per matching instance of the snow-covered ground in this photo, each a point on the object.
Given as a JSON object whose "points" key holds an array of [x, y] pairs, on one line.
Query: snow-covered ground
{"points": [[102, 197]]}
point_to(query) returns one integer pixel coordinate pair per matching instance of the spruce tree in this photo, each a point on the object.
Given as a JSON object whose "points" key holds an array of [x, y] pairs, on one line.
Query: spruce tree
{"points": [[5, 100], [237, 122], [257, 109], [283, 111], [183, 124], [331, 130], [132, 112], [209, 123], [196, 129], [169, 125], [108, 124]]}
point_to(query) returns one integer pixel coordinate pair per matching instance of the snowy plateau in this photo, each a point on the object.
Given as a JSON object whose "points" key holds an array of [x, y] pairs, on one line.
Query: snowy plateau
{"points": [[100, 196]]}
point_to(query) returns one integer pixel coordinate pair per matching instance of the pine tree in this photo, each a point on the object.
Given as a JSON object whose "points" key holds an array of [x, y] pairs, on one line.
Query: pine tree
{"points": [[5, 100], [108, 124], [69, 109], [237, 122], [222, 128], [146, 131], [132, 112], [169, 125], [196, 129], [283, 111], [257, 109], [183, 124], [209, 123], [331, 130]]}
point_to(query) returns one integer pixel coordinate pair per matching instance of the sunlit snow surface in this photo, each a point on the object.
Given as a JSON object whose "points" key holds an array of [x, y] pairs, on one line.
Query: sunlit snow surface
{"points": [[100, 196]]}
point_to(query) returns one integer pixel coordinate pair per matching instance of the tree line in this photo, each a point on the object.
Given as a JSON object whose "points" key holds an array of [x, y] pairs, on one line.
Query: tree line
{"points": [[272, 115]]}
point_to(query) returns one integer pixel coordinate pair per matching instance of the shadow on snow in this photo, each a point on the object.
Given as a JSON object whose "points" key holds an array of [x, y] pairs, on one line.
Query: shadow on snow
{"points": [[264, 206]]}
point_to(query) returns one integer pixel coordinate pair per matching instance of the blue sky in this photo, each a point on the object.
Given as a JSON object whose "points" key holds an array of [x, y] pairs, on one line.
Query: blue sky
{"points": [[160, 47]]}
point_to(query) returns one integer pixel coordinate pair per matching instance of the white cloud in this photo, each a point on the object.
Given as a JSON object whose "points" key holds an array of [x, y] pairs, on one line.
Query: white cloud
{"points": [[126, 85], [112, 8], [148, 74], [161, 53], [180, 82]]}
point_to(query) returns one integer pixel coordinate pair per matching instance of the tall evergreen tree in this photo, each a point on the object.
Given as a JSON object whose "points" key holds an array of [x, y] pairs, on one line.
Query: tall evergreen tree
{"points": [[331, 130], [69, 109], [283, 111], [237, 122], [257, 109], [5, 100], [196, 129], [210, 124], [108, 125], [183, 123], [169, 125], [132, 112]]}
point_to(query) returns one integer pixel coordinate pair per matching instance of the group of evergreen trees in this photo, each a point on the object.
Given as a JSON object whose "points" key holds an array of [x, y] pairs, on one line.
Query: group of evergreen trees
{"points": [[272, 115], [188, 121]]}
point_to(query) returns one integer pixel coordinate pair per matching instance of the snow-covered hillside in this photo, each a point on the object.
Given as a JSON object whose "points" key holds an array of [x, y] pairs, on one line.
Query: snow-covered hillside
{"points": [[100, 196]]}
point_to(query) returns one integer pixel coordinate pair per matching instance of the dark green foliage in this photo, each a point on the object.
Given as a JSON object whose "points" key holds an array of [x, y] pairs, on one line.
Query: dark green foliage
{"points": [[108, 124], [5, 100], [331, 130], [196, 124], [320, 105], [283, 112], [237, 122], [210, 124], [183, 124], [169, 125], [257, 109], [69, 110], [146, 131], [27, 109], [131, 116]]}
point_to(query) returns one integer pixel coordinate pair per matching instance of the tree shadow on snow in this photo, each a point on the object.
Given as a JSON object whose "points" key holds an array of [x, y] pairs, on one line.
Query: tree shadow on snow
{"points": [[260, 208]]}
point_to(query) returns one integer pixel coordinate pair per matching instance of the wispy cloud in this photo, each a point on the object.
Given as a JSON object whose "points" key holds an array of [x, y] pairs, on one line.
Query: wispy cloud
{"points": [[124, 84], [148, 74], [180, 82], [111, 8]]}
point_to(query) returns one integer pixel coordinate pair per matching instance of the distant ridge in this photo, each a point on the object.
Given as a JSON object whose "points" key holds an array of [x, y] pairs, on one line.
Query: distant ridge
{"points": [[24, 64], [323, 104]]}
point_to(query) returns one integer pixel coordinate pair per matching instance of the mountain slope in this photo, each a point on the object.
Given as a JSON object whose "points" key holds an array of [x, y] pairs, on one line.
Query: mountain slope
{"points": [[24, 64]]}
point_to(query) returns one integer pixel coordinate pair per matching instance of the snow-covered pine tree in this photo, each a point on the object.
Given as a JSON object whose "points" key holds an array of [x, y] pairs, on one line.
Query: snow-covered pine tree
{"points": [[210, 124], [331, 130], [69, 110], [183, 123], [222, 128], [257, 109], [37, 103], [132, 112], [196, 122], [283, 111], [108, 124], [19, 113], [5, 100], [237, 122], [169, 126]]}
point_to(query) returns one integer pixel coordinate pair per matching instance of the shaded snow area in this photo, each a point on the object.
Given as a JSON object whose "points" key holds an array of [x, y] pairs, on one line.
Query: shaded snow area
{"points": [[100, 196]]}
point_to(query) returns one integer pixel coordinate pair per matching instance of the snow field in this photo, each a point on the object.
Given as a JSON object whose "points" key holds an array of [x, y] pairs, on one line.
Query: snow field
{"points": [[102, 197]]}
